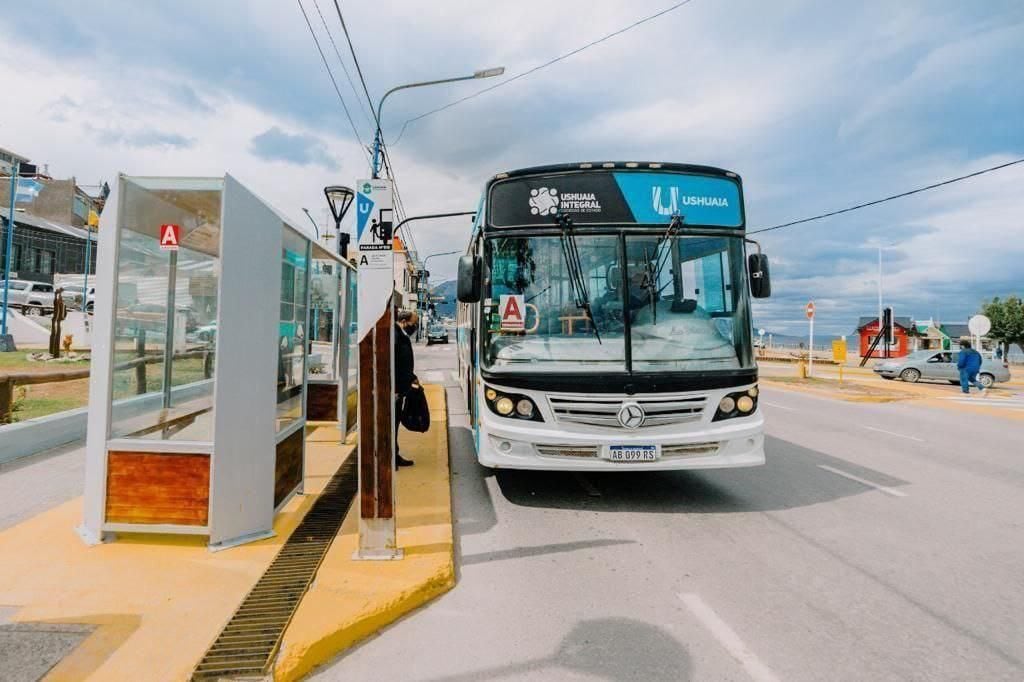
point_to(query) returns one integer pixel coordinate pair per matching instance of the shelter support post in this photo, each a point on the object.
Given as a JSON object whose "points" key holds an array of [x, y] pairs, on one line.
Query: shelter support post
{"points": [[376, 372]]}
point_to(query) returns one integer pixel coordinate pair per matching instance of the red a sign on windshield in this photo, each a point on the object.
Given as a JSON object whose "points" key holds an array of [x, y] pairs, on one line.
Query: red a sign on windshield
{"points": [[511, 309]]}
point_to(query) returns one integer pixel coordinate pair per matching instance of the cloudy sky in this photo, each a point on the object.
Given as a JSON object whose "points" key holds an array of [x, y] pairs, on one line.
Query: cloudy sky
{"points": [[817, 106]]}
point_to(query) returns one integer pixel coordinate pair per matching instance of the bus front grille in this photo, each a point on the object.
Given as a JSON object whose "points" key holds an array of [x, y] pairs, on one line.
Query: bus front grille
{"points": [[604, 411]]}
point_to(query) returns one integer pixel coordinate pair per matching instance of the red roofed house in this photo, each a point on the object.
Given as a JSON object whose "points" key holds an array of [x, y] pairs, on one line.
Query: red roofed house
{"points": [[867, 329]]}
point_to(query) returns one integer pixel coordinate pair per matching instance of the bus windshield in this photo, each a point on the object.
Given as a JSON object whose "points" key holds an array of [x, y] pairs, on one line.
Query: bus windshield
{"points": [[680, 301]]}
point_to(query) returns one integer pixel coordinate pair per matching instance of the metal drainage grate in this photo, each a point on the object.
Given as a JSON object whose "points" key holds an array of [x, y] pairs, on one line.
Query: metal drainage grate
{"points": [[248, 643]]}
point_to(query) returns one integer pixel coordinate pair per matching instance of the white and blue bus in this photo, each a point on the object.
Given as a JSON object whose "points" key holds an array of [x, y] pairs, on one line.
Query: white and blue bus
{"points": [[604, 320]]}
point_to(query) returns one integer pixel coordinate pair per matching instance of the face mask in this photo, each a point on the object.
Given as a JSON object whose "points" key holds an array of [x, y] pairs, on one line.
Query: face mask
{"points": [[411, 329]]}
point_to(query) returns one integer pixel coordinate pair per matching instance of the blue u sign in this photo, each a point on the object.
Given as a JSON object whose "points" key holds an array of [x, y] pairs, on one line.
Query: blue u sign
{"points": [[700, 199]]}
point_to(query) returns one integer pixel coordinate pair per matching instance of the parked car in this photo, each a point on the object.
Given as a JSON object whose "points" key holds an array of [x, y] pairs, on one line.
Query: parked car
{"points": [[73, 296], [31, 298], [437, 334], [939, 366]]}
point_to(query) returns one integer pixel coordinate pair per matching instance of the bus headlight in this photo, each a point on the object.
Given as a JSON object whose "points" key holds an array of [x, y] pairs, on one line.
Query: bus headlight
{"points": [[738, 404], [524, 408], [511, 405]]}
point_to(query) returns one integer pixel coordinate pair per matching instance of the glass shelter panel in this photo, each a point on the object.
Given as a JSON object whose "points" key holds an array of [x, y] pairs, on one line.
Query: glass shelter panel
{"points": [[165, 310], [323, 312], [291, 365]]}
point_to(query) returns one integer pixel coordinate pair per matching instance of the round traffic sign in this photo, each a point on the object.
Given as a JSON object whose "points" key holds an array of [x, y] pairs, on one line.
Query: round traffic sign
{"points": [[760, 332], [810, 310], [979, 325]]}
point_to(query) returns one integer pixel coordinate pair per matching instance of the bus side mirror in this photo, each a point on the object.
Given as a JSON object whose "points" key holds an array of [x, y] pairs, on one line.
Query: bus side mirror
{"points": [[760, 280], [469, 279]]}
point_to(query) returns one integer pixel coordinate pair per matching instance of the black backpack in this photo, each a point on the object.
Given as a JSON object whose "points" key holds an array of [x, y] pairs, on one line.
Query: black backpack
{"points": [[415, 411]]}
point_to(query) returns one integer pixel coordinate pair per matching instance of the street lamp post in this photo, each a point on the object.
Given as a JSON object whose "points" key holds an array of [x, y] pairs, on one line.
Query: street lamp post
{"points": [[315, 226], [880, 247], [426, 273], [483, 73], [6, 342], [339, 199]]}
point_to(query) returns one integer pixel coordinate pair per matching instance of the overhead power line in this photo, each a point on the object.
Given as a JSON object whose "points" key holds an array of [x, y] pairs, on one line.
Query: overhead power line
{"points": [[355, 60], [330, 74], [337, 53], [546, 64], [889, 198]]}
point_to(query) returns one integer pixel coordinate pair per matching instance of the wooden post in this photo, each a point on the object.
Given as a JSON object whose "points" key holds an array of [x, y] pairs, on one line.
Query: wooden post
{"points": [[140, 369], [6, 400]]}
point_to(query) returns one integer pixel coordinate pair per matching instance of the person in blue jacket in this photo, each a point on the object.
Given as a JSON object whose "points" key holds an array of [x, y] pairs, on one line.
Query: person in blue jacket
{"points": [[969, 364]]}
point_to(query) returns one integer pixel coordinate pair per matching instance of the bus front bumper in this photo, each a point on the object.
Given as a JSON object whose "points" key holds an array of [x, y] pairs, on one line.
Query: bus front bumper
{"points": [[728, 444]]}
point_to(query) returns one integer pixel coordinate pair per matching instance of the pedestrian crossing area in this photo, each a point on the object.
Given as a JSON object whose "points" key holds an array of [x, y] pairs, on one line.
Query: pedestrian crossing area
{"points": [[1012, 402], [437, 376]]}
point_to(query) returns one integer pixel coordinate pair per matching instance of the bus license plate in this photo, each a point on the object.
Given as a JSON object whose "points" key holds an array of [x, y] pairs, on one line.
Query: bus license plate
{"points": [[632, 453]]}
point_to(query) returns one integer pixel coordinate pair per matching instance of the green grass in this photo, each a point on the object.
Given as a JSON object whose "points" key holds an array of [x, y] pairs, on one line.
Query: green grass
{"points": [[16, 362], [30, 408]]}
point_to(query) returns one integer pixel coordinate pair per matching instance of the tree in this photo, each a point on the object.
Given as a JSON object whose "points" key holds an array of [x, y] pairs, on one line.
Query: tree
{"points": [[1007, 318]]}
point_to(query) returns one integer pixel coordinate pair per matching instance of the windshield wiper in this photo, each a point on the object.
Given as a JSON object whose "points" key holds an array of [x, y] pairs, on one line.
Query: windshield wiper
{"points": [[670, 233], [574, 266]]}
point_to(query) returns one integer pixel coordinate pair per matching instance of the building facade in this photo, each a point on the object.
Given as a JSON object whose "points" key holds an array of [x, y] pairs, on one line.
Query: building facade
{"points": [[43, 248], [867, 329]]}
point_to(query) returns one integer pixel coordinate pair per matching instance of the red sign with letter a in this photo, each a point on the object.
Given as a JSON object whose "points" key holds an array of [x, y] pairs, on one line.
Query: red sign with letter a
{"points": [[170, 237], [511, 308]]}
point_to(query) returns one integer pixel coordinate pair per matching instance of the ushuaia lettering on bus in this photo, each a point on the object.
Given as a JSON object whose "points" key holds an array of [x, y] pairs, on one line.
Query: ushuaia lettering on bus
{"points": [[579, 202], [676, 201]]}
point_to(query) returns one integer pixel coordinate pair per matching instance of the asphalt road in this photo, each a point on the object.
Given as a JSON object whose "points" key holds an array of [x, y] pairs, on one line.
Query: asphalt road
{"points": [[880, 542]]}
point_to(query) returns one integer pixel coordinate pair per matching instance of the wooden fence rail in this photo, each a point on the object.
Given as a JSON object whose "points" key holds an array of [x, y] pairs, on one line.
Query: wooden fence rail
{"points": [[9, 380]]}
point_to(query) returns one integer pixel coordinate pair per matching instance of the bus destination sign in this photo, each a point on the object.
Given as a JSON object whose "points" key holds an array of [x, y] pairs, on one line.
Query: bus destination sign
{"points": [[616, 198]]}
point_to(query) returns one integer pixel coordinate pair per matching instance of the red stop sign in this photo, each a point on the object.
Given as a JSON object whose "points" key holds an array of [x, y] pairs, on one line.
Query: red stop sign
{"points": [[810, 310]]}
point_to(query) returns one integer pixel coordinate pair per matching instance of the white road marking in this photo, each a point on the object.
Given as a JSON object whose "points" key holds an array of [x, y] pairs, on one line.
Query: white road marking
{"points": [[1008, 403], [893, 433], [433, 377], [781, 407], [863, 481], [728, 638]]}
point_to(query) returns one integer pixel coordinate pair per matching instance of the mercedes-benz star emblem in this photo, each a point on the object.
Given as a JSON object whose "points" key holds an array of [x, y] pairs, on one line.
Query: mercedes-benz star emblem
{"points": [[631, 416]]}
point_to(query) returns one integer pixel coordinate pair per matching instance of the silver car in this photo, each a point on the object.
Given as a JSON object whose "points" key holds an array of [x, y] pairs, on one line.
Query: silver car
{"points": [[939, 365], [32, 298]]}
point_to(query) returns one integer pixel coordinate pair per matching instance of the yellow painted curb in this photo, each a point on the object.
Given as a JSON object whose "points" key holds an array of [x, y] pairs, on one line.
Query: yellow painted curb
{"points": [[837, 394], [158, 600], [350, 600]]}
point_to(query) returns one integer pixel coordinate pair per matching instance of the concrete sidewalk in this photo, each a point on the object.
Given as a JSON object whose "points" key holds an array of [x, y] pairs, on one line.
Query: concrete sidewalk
{"points": [[148, 606]]}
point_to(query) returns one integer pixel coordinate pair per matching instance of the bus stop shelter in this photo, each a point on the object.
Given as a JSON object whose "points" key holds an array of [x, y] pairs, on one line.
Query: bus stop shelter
{"points": [[214, 314]]}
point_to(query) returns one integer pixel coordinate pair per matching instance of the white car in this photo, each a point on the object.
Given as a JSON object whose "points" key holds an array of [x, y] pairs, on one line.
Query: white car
{"points": [[73, 296], [31, 298]]}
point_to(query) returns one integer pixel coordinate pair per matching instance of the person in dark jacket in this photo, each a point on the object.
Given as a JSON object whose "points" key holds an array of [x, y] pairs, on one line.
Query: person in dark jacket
{"points": [[969, 364], [405, 376]]}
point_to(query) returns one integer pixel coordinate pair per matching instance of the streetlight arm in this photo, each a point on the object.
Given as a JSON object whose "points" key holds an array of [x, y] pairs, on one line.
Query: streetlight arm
{"points": [[380, 104], [315, 227], [483, 73], [429, 217]]}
